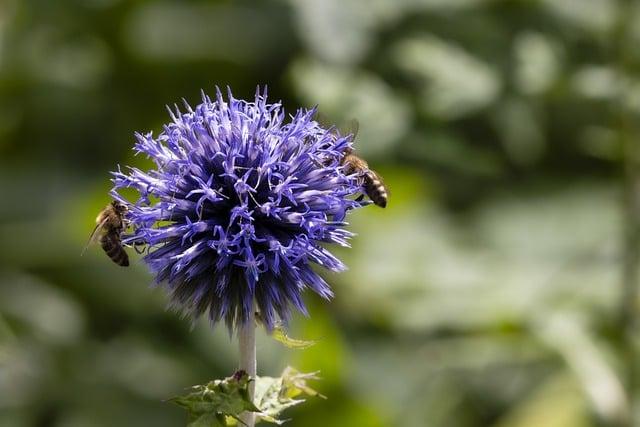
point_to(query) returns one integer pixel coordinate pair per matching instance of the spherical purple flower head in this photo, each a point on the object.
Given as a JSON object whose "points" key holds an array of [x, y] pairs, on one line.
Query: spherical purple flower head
{"points": [[238, 207]]}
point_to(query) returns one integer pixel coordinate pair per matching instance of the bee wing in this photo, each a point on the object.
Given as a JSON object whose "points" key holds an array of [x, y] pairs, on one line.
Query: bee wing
{"points": [[351, 128], [94, 234], [321, 118], [324, 121]]}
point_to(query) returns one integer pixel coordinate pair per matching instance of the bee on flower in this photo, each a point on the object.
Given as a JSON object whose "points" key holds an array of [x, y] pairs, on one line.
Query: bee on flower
{"points": [[237, 208]]}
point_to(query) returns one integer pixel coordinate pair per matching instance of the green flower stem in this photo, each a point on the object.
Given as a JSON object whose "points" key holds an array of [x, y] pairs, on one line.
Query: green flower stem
{"points": [[248, 361]]}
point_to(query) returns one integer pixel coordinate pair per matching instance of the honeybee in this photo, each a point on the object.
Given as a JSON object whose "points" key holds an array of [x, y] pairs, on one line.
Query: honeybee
{"points": [[371, 182], [110, 223]]}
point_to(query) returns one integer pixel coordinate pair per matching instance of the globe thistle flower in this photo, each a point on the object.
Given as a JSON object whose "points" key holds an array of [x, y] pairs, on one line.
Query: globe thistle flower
{"points": [[239, 206]]}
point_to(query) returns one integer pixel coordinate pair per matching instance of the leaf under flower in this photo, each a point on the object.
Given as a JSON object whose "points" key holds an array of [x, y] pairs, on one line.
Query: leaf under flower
{"points": [[220, 402], [210, 404], [274, 395]]}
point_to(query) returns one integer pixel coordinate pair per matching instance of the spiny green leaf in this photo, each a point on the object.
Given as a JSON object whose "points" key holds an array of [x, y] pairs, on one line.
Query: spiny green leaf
{"points": [[209, 404], [274, 395], [220, 402]]}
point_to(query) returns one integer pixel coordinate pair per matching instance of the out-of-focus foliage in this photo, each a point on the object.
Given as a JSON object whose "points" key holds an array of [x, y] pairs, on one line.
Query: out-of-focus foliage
{"points": [[486, 294]]}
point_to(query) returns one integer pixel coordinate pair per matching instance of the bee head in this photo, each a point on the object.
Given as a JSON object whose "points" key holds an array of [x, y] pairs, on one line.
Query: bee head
{"points": [[121, 208]]}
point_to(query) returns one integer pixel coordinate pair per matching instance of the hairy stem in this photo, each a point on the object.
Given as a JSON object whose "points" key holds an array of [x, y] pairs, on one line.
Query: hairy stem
{"points": [[248, 361]]}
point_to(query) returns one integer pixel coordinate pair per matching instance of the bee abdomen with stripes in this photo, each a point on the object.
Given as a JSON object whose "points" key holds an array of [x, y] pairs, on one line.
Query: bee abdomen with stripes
{"points": [[375, 189], [372, 183], [112, 246]]}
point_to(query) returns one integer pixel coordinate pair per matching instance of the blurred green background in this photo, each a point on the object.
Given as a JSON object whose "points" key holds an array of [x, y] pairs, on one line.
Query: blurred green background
{"points": [[497, 289]]}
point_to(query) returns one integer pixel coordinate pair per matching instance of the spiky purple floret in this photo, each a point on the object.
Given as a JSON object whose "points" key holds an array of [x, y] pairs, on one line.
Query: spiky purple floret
{"points": [[238, 206]]}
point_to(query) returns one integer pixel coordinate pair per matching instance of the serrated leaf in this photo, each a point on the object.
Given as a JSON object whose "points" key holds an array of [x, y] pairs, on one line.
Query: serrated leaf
{"points": [[210, 404], [295, 383], [220, 403], [274, 395]]}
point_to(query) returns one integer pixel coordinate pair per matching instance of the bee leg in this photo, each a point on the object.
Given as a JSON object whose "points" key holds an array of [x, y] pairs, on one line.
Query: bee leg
{"points": [[139, 247], [360, 198]]}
